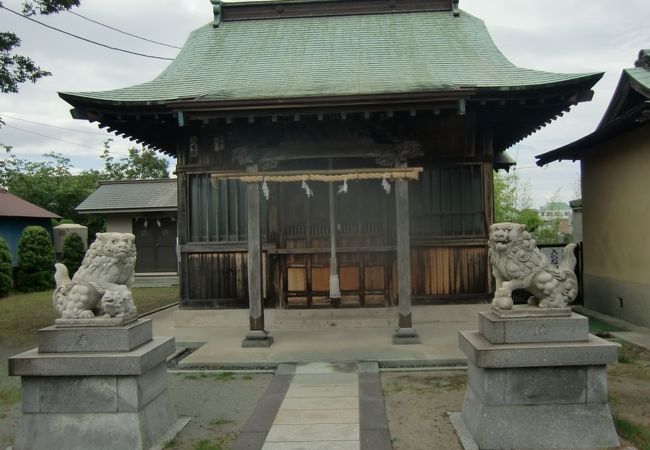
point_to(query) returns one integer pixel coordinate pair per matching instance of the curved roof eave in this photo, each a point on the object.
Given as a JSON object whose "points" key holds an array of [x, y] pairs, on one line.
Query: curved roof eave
{"points": [[332, 56]]}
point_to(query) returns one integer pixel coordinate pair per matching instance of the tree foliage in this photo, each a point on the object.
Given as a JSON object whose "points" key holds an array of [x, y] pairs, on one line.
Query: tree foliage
{"points": [[16, 69], [31, 7], [141, 164], [73, 252], [51, 183], [513, 201], [35, 260], [6, 269]]}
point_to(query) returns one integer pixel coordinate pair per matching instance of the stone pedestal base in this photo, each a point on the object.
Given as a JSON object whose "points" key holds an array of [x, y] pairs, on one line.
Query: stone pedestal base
{"points": [[405, 336], [257, 339], [77, 399], [529, 390]]}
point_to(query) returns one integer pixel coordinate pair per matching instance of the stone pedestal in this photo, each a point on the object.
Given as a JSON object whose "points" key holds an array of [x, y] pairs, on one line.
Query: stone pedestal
{"points": [[537, 381], [94, 387]]}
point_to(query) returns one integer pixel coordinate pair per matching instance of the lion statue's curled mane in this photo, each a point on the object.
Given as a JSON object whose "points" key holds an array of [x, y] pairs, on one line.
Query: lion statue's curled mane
{"points": [[101, 286], [517, 263]]}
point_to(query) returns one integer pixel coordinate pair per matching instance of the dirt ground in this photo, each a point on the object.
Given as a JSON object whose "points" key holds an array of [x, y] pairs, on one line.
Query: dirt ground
{"points": [[417, 404]]}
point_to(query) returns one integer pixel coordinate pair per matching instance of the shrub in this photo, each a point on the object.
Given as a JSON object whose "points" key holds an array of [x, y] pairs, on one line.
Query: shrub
{"points": [[73, 252], [35, 260], [6, 268]]}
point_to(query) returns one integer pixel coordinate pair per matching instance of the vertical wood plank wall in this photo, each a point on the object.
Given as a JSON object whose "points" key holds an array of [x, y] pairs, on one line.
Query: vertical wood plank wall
{"points": [[214, 274]]}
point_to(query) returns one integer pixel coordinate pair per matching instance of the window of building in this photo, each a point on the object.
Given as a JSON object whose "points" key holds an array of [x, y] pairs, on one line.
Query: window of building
{"points": [[217, 209], [448, 201]]}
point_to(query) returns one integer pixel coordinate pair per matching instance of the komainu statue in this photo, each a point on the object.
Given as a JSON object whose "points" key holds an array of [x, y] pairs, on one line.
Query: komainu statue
{"points": [[102, 286], [517, 263]]}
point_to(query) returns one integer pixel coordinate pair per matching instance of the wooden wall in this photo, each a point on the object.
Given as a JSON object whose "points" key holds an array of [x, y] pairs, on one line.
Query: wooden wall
{"points": [[215, 274]]}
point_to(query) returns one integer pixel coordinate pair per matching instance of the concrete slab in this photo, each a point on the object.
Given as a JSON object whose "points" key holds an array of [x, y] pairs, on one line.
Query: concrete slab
{"points": [[315, 416], [320, 403], [325, 380], [313, 432], [320, 445], [480, 351], [223, 330], [323, 391]]}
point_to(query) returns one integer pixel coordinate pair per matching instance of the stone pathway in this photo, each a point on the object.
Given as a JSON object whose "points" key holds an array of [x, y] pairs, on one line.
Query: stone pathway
{"points": [[319, 406], [319, 411]]}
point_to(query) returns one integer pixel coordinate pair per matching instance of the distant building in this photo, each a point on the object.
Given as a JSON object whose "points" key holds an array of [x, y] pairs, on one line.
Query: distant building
{"points": [[615, 165], [146, 208], [15, 215], [559, 212]]}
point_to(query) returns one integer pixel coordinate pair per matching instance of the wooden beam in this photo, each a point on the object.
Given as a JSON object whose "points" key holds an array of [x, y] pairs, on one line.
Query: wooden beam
{"points": [[405, 333], [257, 337]]}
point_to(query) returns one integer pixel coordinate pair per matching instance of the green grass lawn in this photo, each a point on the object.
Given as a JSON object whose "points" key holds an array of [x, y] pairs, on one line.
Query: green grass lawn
{"points": [[21, 315]]}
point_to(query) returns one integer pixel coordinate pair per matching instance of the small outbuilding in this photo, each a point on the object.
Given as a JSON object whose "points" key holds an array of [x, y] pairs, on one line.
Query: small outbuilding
{"points": [[615, 164], [15, 215], [146, 208]]}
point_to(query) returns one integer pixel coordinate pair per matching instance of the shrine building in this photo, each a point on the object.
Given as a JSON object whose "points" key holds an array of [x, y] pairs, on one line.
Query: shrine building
{"points": [[335, 153]]}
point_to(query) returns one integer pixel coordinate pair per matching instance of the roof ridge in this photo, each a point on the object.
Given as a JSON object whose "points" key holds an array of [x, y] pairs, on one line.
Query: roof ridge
{"points": [[149, 180], [643, 60]]}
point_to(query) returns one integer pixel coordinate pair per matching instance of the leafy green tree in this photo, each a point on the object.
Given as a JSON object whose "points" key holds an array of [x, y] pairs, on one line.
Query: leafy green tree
{"points": [[16, 69], [530, 218], [73, 252], [6, 269], [141, 164], [513, 201], [35, 260], [49, 184]]}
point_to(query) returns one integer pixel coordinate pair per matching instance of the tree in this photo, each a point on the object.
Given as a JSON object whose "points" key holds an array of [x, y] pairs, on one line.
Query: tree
{"points": [[73, 252], [16, 69], [513, 201], [49, 184], [35, 260], [141, 164], [6, 268]]}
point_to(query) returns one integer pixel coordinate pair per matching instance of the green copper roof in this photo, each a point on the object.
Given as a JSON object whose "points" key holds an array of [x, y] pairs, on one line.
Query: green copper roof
{"points": [[334, 56], [136, 195], [641, 76]]}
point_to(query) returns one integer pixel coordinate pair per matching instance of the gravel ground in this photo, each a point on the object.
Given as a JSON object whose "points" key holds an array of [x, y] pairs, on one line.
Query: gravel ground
{"points": [[218, 403]]}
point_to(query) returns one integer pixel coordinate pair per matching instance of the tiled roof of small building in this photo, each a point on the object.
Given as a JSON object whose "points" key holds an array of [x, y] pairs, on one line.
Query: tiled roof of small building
{"points": [[628, 109], [363, 54], [12, 206], [132, 196]]}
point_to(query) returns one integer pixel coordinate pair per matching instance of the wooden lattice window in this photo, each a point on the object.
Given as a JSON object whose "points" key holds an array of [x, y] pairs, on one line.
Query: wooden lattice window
{"points": [[448, 201], [217, 209]]}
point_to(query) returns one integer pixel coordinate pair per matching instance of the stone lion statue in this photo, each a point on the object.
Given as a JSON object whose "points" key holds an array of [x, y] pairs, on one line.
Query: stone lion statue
{"points": [[101, 286], [517, 263]]}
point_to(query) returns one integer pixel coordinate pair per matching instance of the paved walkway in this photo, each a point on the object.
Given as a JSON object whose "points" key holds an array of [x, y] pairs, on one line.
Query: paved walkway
{"points": [[319, 411], [319, 406]]}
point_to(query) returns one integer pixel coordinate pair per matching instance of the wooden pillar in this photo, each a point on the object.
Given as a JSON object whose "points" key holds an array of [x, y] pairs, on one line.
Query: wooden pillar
{"points": [[405, 334], [257, 336]]}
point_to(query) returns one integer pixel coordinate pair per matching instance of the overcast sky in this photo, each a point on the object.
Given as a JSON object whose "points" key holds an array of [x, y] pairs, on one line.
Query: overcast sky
{"points": [[553, 35]]}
